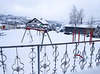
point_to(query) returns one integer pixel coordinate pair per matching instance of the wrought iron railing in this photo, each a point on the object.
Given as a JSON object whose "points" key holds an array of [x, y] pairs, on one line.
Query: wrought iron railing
{"points": [[60, 59]]}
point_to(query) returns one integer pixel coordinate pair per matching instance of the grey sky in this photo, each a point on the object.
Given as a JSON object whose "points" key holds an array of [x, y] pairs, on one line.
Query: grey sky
{"points": [[49, 9]]}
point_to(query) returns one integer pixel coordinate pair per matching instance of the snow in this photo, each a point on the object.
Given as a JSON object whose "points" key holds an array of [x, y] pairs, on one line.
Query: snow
{"points": [[14, 37], [40, 19], [81, 26], [43, 21], [21, 25]]}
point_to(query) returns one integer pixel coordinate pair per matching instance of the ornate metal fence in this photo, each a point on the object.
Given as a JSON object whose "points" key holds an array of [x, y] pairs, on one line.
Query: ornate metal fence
{"points": [[63, 58]]}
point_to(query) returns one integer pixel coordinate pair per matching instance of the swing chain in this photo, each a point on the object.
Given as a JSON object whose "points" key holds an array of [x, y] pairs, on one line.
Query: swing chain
{"points": [[91, 55], [97, 60], [83, 59], [65, 61], [32, 56], [45, 63]]}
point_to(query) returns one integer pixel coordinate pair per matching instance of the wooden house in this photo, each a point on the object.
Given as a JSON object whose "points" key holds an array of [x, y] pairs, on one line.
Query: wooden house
{"points": [[37, 23]]}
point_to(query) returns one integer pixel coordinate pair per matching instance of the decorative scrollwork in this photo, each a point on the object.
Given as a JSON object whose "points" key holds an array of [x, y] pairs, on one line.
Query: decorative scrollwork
{"points": [[76, 53], [32, 56], [2, 60], [83, 59], [55, 55], [45, 63], [92, 50], [18, 65], [65, 61], [97, 60]]}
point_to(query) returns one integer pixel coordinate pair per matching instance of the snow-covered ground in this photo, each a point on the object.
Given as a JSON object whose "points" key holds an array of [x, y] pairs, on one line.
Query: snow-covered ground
{"points": [[14, 37]]}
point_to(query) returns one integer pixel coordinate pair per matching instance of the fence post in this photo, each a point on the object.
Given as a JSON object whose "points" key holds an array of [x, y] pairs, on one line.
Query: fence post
{"points": [[38, 58], [2, 61]]}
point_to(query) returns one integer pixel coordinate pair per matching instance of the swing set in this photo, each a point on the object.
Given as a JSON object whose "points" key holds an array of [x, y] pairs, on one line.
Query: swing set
{"points": [[45, 31]]}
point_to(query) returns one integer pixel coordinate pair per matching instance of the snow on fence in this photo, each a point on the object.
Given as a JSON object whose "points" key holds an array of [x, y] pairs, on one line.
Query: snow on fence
{"points": [[63, 58]]}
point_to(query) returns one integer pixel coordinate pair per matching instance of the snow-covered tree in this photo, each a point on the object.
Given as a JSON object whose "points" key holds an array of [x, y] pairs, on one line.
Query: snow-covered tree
{"points": [[76, 17], [81, 16], [91, 20]]}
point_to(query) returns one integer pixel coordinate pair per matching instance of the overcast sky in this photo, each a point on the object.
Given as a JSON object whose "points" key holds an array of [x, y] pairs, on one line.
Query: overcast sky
{"points": [[50, 9]]}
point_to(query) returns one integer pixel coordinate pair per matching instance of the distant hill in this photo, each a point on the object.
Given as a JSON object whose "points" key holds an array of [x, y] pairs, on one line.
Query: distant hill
{"points": [[15, 20], [19, 20], [97, 22], [10, 19]]}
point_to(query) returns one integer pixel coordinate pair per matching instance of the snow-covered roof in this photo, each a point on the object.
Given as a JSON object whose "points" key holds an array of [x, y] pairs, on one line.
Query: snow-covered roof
{"points": [[81, 26], [41, 20], [21, 25], [96, 23]]}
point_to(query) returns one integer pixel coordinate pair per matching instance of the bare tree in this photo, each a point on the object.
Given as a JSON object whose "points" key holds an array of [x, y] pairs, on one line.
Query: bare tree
{"points": [[91, 21], [76, 17], [81, 16], [73, 16]]}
